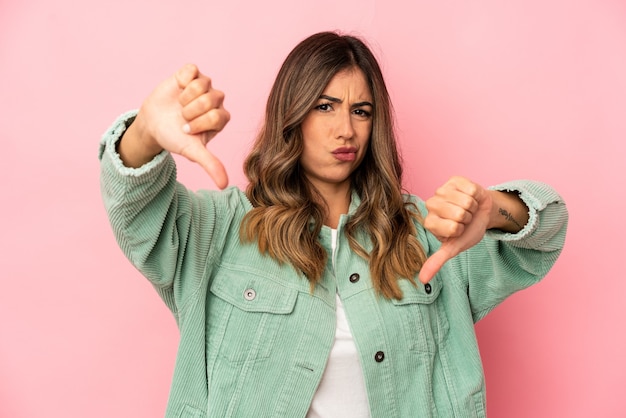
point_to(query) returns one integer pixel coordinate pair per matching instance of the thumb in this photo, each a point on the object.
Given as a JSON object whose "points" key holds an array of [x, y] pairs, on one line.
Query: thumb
{"points": [[209, 162], [434, 263]]}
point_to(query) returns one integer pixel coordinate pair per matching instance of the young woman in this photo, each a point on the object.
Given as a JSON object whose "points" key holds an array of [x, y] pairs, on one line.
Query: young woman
{"points": [[322, 290]]}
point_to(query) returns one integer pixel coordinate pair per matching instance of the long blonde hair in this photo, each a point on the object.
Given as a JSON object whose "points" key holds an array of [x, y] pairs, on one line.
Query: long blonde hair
{"points": [[286, 218]]}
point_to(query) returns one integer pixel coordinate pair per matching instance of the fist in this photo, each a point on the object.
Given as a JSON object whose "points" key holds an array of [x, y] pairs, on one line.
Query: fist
{"points": [[182, 115], [458, 215]]}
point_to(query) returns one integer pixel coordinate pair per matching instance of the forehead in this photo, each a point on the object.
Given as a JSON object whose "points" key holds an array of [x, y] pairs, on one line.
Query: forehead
{"points": [[351, 82]]}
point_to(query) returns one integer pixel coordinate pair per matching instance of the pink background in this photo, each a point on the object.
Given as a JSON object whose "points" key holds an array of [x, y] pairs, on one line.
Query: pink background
{"points": [[493, 90]]}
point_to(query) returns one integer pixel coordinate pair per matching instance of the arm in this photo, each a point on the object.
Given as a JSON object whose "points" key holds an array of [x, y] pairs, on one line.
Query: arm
{"points": [[461, 212], [503, 262], [154, 218], [485, 251], [508, 212]]}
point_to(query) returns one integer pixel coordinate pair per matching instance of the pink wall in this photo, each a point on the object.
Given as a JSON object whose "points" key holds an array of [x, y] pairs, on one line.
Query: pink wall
{"points": [[492, 90]]}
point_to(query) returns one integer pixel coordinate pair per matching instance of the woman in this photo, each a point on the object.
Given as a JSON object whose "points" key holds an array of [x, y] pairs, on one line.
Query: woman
{"points": [[320, 291]]}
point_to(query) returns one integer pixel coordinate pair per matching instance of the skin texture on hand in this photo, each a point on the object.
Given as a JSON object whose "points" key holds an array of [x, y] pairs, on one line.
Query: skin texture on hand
{"points": [[460, 213], [181, 115]]}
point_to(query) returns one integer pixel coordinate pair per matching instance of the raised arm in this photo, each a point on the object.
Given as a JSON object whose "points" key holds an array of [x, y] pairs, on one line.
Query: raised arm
{"points": [[163, 228]]}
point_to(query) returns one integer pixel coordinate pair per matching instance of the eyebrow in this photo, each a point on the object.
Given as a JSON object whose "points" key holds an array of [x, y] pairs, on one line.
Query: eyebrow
{"points": [[336, 100]]}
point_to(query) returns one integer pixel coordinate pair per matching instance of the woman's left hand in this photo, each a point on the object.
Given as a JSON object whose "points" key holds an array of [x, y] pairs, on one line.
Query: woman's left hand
{"points": [[460, 213]]}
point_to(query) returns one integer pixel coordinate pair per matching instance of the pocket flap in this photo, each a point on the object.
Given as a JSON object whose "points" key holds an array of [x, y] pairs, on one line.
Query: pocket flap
{"points": [[424, 294], [253, 293]]}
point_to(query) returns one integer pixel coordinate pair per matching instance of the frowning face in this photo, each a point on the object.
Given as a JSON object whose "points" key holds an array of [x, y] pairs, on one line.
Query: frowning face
{"points": [[337, 130]]}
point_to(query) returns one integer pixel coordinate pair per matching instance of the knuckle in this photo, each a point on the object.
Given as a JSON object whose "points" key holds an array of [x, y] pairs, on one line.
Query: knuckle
{"points": [[212, 117], [210, 121], [466, 203], [459, 214], [455, 229], [205, 83], [220, 118], [219, 95], [204, 103], [197, 87], [187, 113]]}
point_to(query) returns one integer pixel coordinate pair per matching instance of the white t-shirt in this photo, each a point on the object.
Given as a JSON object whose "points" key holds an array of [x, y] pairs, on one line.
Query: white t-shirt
{"points": [[341, 392]]}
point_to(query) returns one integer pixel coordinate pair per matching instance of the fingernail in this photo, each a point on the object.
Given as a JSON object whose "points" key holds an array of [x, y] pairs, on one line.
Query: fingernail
{"points": [[186, 128]]}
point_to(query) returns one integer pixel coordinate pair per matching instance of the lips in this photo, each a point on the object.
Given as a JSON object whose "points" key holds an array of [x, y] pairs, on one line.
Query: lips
{"points": [[345, 153]]}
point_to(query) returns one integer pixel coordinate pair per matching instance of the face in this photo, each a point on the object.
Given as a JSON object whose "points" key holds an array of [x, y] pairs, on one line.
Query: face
{"points": [[336, 131]]}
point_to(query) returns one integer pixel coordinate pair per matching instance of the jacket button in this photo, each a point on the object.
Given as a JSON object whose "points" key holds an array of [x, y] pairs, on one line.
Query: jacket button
{"points": [[354, 277], [249, 294], [379, 356], [428, 288]]}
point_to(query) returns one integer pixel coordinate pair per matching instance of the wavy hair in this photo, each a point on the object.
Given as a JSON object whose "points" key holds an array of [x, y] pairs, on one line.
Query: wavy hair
{"points": [[287, 215]]}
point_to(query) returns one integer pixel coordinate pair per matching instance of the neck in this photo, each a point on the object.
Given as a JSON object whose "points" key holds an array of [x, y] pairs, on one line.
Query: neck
{"points": [[337, 203]]}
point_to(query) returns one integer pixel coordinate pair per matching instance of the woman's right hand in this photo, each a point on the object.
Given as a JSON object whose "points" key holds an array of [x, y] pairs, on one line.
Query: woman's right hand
{"points": [[181, 115]]}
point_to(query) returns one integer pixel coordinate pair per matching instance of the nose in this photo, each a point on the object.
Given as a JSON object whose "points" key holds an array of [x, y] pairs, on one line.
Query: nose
{"points": [[344, 128]]}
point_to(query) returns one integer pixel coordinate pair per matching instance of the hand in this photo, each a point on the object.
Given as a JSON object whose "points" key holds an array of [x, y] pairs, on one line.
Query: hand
{"points": [[458, 215], [182, 115]]}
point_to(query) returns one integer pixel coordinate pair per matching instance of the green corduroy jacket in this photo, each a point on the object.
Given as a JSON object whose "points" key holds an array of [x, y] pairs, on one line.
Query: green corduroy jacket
{"points": [[254, 339]]}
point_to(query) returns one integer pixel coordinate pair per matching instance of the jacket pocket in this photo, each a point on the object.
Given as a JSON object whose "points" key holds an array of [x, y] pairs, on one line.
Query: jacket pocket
{"points": [[423, 315], [245, 311]]}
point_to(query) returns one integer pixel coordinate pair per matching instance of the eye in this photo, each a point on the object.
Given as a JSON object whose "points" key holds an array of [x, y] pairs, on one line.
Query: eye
{"points": [[324, 107], [362, 113]]}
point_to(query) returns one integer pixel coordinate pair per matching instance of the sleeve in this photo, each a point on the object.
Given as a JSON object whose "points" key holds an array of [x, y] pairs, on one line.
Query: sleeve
{"points": [[162, 228], [504, 263]]}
